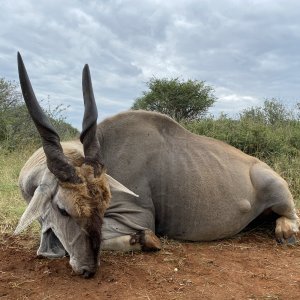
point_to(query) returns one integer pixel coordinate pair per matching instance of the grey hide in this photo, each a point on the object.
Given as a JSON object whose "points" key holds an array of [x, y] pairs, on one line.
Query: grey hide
{"points": [[191, 187]]}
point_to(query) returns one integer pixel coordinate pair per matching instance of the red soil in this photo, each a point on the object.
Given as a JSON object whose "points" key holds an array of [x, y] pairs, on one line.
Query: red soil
{"points": [[250, 266]]}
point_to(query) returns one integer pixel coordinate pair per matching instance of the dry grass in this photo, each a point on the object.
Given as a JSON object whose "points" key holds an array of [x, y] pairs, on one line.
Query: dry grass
{"points": [[11, 203]]}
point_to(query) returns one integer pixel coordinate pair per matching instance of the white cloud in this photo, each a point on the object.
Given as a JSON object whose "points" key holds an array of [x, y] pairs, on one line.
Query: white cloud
{"points": [[231, 103]]}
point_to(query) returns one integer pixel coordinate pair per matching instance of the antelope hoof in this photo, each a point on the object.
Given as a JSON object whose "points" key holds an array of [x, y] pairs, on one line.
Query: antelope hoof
{"points": [[147, 239], [286, 230]]}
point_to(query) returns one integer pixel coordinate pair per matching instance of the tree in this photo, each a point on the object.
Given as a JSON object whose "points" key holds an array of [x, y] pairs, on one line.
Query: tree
{"points": [[181, 100], [9, 101], [9, 96], [16, 125]]}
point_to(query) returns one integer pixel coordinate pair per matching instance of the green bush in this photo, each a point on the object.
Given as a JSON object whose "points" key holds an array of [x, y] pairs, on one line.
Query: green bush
{"points": [[264, 132]]}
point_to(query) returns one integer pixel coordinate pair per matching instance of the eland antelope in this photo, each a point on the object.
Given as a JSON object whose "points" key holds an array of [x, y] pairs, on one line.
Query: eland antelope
{"points": [[139, 175]]}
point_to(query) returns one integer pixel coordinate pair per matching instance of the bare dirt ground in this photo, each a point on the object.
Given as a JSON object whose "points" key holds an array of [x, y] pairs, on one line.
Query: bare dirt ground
{"points": [[249, 266]]}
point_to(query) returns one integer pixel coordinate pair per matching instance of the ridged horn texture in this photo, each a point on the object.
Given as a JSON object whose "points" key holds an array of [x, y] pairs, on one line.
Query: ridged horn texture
{"points": [[88, 138], [56, 161]]}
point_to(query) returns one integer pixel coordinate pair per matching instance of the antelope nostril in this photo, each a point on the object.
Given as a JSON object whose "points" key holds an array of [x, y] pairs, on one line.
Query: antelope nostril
{"points": [[87, 274]]}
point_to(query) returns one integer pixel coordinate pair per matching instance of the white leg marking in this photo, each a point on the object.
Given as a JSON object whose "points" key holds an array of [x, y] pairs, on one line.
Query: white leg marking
{"points": [[121, 243]]}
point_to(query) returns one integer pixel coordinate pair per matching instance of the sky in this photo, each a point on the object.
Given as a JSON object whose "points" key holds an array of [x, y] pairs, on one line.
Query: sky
{"points": [[248, 51]]}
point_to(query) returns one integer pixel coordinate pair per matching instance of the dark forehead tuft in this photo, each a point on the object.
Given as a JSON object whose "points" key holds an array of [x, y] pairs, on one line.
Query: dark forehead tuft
{"points": [[93, 193]]}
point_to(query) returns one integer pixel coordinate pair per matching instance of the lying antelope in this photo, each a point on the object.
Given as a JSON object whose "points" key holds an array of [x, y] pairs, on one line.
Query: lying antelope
{"points": [[190, 187]]}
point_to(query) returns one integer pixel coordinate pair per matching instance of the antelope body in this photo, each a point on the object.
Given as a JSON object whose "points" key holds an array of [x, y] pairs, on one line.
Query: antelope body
{"points": [[189, 187]]}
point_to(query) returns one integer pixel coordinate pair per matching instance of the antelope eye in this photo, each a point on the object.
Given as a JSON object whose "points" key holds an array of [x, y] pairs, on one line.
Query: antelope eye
{"points": [[63, 211]]}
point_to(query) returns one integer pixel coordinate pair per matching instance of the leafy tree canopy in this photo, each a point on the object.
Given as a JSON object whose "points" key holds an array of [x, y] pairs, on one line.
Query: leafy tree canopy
{"points": [[181, 100]]}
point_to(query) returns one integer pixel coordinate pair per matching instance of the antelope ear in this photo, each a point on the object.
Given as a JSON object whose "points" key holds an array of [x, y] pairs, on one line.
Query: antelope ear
{"points": [[35, 208], [116, 185]]}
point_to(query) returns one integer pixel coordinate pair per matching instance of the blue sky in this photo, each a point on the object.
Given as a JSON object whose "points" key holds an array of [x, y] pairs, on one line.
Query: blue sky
{"points": [[248, 51]]}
